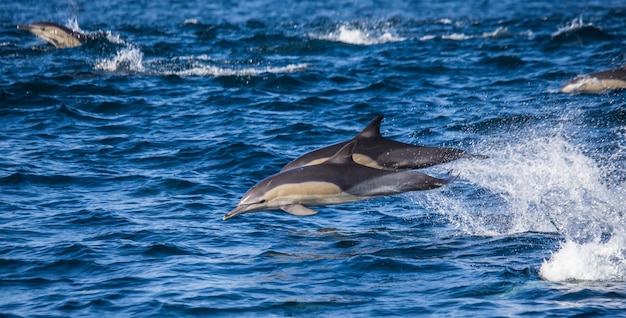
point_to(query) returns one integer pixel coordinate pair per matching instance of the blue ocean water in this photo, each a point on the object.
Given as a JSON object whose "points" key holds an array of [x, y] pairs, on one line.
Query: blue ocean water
{"points": [[119, 158]]}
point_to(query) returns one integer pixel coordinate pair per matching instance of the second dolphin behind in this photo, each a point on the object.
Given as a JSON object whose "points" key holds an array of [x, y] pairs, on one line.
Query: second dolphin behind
{"points": [[374, 150]]}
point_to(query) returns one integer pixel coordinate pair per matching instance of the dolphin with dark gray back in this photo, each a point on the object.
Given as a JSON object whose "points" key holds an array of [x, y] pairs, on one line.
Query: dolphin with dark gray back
{"points": [[374, 150]]}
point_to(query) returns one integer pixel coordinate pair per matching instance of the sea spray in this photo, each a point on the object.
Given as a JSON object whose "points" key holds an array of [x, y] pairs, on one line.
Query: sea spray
{"points": [[596, 252], [593, 261], [361, 34], [72, 23], [127, 60], [543, 184], [197, 69], [131, 60]]}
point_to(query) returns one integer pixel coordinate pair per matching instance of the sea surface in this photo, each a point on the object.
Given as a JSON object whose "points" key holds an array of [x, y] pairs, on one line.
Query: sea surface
{"points": [[119, 158]]}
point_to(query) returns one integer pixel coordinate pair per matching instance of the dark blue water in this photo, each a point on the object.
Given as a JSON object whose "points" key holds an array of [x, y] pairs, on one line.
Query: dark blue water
{"points": [[118, 159]]}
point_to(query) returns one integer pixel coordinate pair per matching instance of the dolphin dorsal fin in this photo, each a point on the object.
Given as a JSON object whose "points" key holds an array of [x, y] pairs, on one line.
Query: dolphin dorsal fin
{"points": [[344, 155], [372, 130]]}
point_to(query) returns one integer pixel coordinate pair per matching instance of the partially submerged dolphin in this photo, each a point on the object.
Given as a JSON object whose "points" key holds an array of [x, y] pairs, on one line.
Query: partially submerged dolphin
{"points": [[374, 150], [597, 82], [337, 180], [58, 35]]}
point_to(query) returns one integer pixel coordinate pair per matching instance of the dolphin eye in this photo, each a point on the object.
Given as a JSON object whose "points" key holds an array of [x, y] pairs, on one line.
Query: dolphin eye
{"points": [[262, 201], [248, 201]]}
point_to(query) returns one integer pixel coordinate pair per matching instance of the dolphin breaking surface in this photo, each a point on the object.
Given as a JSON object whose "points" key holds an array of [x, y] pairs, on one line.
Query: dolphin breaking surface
{"points": [[59, 36], [597, 82]]}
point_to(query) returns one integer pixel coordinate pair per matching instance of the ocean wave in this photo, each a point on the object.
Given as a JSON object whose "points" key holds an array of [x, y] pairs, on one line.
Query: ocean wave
{"points": [[577, 31], [574, 25]]}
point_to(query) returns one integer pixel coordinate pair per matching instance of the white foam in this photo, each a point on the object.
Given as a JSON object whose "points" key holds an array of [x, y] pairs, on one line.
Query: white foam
{"points": [[528, 184], [456, 37], [543, 184], [427, 37], [190, 21], [209, 70], [361, 35], [596, 250], [500, 32], [594, 261], [115, 39], [129, 59]]}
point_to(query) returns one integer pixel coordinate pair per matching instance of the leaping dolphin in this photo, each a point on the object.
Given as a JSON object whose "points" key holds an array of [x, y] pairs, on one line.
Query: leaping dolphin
{"points": [[58, 35], [335, 181], [597, 82], [373, 150]]}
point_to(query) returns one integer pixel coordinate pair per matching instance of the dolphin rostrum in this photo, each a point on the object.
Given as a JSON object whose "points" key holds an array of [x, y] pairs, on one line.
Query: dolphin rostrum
{"points": [[58, 35], [335, 181], [597, 82], [373, 150]]}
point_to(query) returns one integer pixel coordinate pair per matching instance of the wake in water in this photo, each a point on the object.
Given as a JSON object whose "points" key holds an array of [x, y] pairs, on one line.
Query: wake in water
{"points": [[501, 32], [545, 184], [131, 60]]}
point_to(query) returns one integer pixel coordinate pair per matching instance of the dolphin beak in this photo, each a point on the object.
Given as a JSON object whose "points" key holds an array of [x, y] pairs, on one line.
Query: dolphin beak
{"points": [[24, 27], [240, 209]]}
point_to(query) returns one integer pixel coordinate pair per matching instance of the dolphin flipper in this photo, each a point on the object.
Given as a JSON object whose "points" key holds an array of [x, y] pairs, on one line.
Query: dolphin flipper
{"points": [[298, 209]]}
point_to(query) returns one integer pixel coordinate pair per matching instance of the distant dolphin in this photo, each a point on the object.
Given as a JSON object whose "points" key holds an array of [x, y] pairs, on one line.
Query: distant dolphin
{"points": [[58, 35], [337, 180], [597, 82], [373, 150]]}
